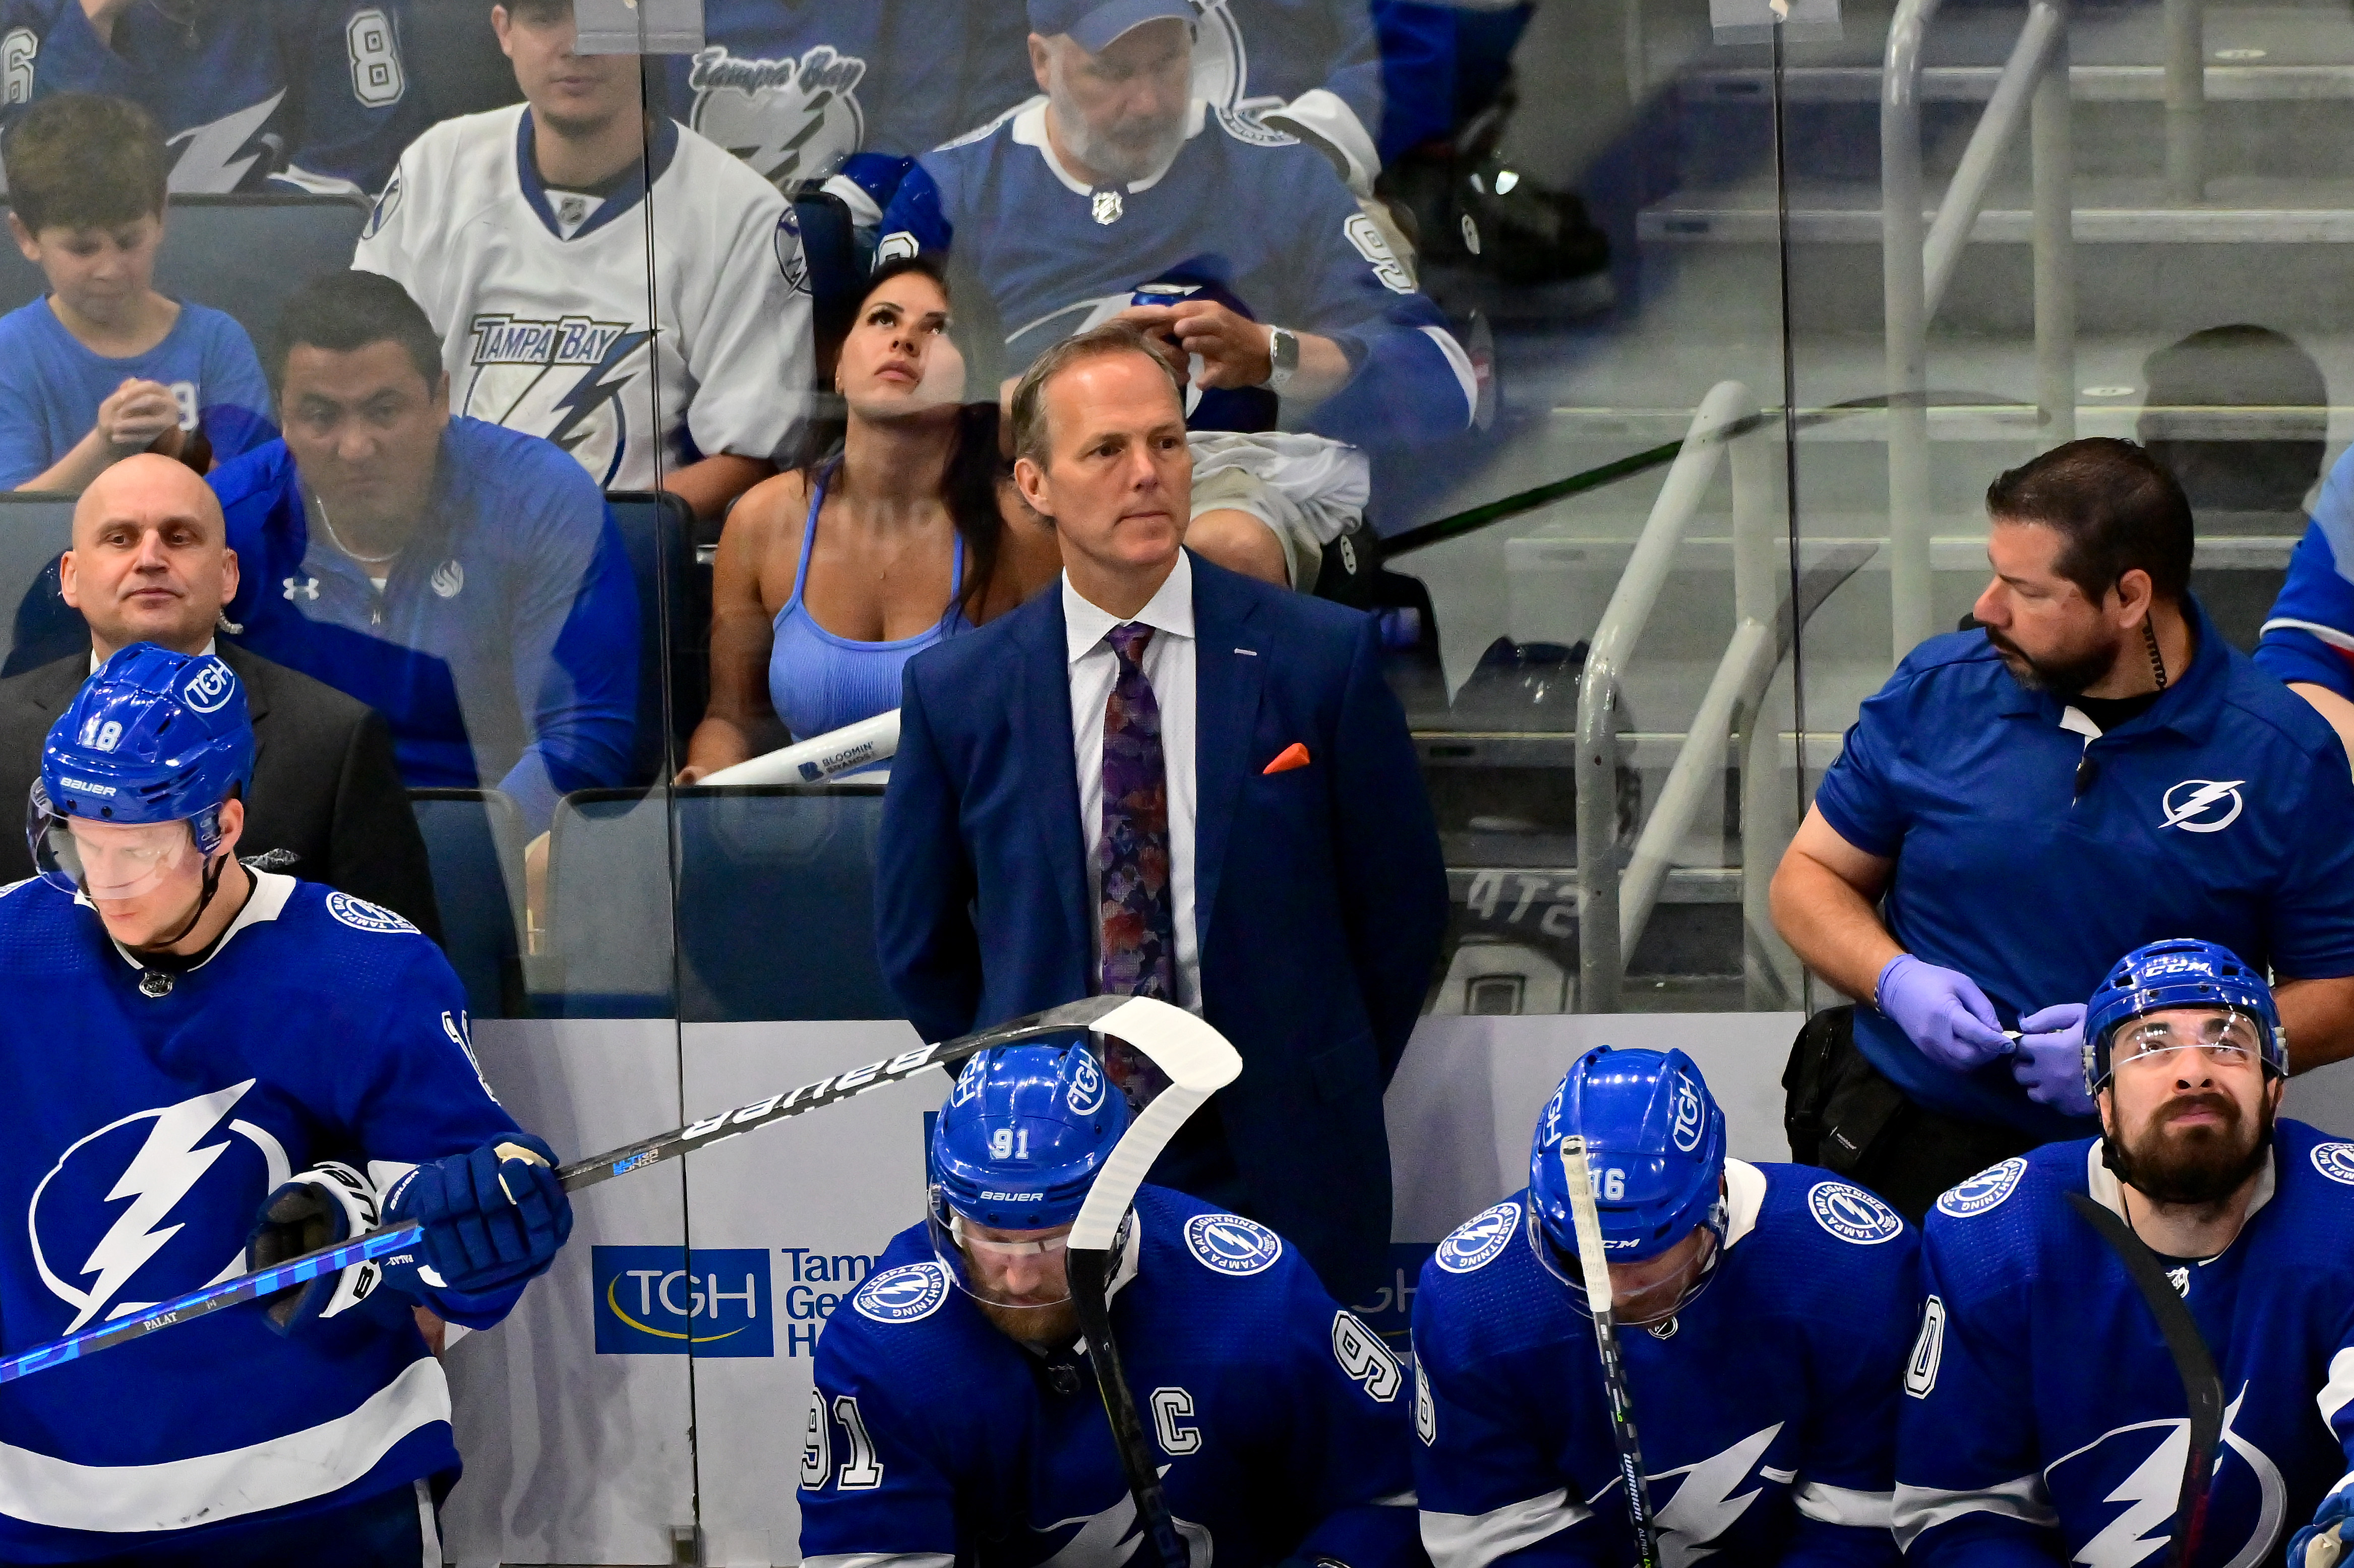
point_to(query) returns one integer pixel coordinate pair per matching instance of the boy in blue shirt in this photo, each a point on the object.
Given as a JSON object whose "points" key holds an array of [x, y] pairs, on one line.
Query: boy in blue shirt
{"points": [[105, 367]]}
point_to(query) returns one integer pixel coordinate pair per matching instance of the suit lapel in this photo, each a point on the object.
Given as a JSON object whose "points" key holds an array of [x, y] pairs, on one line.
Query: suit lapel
{"points": [[54, 684], [257, 702], [1049, 776], [1226, 713]]}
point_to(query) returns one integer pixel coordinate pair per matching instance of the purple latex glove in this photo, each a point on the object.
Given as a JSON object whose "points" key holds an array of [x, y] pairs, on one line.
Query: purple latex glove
{"points": [[1943, 1011], [2050, 1062]]}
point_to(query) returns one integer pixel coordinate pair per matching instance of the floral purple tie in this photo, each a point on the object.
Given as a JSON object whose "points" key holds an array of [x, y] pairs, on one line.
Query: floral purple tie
{"points": [[1140, 944]]}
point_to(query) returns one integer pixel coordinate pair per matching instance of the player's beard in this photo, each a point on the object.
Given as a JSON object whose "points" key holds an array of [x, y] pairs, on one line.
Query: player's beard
{"points": [[2194, 1166], [2066, 677], [1134, 149], [1049, 1328]]}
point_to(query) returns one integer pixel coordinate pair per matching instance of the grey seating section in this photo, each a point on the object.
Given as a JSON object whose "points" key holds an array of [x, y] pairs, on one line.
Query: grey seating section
{"points": [[473, 839], [242, 254], [774, 907]]}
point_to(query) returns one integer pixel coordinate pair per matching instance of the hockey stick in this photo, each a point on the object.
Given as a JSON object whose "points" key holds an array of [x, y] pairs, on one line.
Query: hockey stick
{"points": [[1198, 1062], [819, 758], [2202, 1386], [1591, 1262], [1137, 1019]]}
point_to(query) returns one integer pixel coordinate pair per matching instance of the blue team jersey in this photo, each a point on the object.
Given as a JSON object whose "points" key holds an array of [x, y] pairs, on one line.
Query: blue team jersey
{"points": [[293, 94], [794, 89], [1279, 1418], [143, 1132], [2044, 1418], [2224, 813], [2310, 635], [1250, 212], [48, 400], [1766, 1406], [503, 646]]}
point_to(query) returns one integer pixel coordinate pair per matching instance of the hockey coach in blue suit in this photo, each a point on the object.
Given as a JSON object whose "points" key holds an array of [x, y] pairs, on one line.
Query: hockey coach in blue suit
{"points": [[1165, 779]]}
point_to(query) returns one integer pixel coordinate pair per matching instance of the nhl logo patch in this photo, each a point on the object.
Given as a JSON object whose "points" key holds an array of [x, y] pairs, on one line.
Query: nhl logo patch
{"points": [[1984, 1191], [1232, 1245], [1479, 1240], [1106, 206], [2335, 1161], [903, 1294], [362, 915], [1853, 1214]]}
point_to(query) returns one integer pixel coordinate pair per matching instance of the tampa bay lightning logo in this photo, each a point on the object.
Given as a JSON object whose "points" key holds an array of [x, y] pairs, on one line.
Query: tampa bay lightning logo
{"points": [[2335, 1161], [1853, 1214], [1230, 1244], [2137, 1467], [569, 380], [903, 1294], [1984, 1191], [362, 915], [1479, 1240], [1085, 1096], [1691, 1120], [151, 1206]]}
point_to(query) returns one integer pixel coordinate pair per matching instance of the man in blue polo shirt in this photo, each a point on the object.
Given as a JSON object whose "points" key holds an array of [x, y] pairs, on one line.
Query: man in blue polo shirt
{"points": [[463, 579], [2092, 769]]}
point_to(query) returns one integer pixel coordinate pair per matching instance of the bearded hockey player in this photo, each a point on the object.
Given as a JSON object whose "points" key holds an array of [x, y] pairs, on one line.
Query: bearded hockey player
{"points": [[191, 1046], [1763, 1313], [956, 1420], [2044, 1418]]}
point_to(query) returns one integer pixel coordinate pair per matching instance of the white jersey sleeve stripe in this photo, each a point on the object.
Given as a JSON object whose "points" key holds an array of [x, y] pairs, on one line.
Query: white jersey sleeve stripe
{"points": [[883, 1559], [1921, 1508], [2339, 1388], [1828, 1504], [1476, 1540], [1466, 380], [2328, 634], [125, 1498]]}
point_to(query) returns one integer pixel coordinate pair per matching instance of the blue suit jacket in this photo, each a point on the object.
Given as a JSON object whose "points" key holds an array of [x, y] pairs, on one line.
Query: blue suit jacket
{"points": [[1319, 894]]}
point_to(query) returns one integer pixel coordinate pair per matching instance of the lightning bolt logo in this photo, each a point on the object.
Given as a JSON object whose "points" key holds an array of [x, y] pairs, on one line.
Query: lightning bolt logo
{"points": [[1707, 1505], [2189, 811], [602, 386], [218, 156], [170, 1163], [1107, 1540], [2151, 1491]]}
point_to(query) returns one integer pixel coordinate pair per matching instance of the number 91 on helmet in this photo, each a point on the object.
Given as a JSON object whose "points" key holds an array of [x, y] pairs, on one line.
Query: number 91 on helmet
{"points": [[1025, 1133]]}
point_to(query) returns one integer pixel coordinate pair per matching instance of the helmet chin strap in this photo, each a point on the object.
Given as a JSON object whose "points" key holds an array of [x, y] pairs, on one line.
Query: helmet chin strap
{"points": [[214, 868]]}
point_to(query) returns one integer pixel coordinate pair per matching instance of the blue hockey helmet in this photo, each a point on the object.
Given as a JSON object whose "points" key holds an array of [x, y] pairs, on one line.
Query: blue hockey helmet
{"points": [[2180, 971], [1655, 1149], [155, 736]]}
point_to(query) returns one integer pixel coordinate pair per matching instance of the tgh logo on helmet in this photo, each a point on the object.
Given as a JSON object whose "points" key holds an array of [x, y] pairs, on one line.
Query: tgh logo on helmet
{"points": [[1690, 1118], [209, 686]]}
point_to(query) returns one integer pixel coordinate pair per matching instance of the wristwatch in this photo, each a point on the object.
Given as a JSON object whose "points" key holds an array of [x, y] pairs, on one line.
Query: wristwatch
{"points": [[1283, 350]]}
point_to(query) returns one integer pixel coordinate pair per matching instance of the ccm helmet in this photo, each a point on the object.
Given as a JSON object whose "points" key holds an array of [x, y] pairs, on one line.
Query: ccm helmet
{"points": [[2181, 972]]}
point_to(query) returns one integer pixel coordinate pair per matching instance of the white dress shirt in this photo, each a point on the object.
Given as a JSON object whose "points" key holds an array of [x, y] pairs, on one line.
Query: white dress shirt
{"points": [[1168, 665]]}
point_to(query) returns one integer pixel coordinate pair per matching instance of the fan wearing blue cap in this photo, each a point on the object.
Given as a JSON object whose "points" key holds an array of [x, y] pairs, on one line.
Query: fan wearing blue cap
{"points": [[2040, 1356], [218, 1068], [1775, 1304], [956, 1416]]}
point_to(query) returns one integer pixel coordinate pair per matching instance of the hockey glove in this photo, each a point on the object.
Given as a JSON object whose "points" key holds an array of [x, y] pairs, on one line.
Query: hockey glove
{"points": [[493, 1218], [1943, 1011], [318, 1208], [2327, 1521], [2049, 1063]]}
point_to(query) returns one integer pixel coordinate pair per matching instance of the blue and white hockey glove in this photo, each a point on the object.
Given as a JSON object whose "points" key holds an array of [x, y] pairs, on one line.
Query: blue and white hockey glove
{"points": [[2331, 1514], [2050, 1061], [316, 1209], [493, 1218]]}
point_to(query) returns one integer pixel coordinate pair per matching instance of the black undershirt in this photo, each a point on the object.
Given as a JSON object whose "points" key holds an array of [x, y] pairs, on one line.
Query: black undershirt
{"points": [[2111, 712]]}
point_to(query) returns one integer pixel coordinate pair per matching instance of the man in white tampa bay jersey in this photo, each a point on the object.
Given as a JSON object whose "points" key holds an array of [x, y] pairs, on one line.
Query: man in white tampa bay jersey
{"points": [[2045, 1419], [1763, 1312], [525, 234]]}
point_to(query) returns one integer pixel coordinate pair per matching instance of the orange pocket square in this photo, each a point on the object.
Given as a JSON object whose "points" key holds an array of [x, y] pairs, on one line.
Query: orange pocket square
{"points": [[1290, 757]]}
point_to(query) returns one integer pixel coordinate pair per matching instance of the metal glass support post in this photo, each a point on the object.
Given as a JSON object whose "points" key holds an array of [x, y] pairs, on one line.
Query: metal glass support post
{"points": [[1902, 242], [2053, 161], [2186, 101]]}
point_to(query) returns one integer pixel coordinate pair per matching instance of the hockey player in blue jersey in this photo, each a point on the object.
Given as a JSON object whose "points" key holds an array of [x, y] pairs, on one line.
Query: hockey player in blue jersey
{"points": [[1118, 177], [287, 95], [212, 1068], [1776, 1303], [2044, 1419], [954, 1420]]}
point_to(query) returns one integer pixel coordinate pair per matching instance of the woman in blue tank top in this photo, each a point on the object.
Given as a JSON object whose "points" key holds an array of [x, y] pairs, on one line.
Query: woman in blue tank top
{"points": [[831, 577]]}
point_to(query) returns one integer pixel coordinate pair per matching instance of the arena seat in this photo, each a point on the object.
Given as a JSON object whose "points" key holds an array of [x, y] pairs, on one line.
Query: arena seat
{"points": [[774, 899], [473, 839], [674, 626], [35, 530], [837, 268], [242, 254]]}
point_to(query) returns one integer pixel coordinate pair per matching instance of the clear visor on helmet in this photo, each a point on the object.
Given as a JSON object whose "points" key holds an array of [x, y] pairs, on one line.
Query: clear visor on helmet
{"points": [[2227, 1037], [104, 860], [1015, 1270], [1649, 1291]]}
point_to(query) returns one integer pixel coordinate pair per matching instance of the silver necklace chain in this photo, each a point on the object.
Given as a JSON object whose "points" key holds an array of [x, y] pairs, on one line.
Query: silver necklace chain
{"points": [[337, 540]]}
